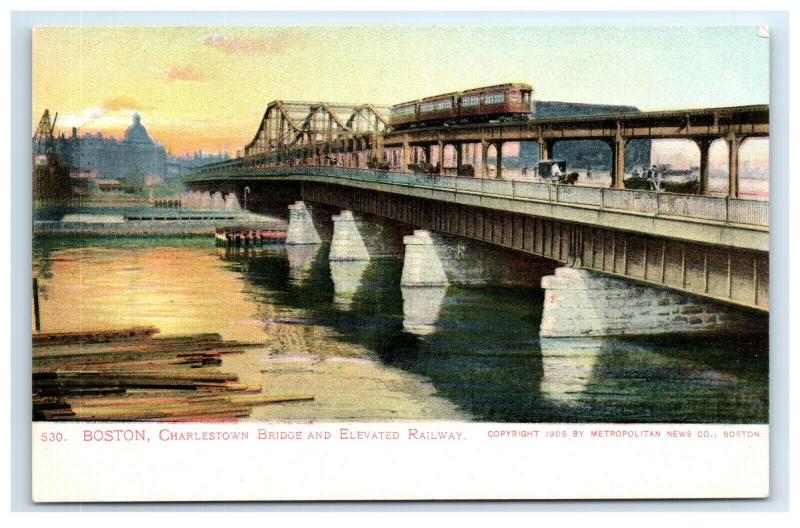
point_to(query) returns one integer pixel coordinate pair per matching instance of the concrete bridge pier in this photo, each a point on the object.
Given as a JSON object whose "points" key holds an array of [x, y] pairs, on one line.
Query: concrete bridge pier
{"points": [[422, 266], [582, 303], [359, 237], [434, 260], [432, 257], [301, 226], [423, 284], [355, 242], [347, 243], [348, 258]]}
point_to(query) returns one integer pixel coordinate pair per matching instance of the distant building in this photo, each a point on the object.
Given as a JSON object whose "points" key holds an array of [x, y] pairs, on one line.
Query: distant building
{"points": [[180, 166], [137, 154]]}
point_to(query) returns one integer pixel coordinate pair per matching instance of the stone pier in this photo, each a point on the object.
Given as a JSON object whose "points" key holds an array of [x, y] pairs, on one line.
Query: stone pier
{"points": [[347, 243], [422, 266], [301, 226], [581, 303], [471, 263]]}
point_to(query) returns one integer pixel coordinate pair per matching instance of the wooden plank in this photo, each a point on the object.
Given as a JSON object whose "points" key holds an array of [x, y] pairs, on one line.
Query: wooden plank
{"points": [[93, 336]]}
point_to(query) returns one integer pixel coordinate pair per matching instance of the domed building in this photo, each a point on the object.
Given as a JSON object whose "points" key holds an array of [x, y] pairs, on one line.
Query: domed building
{"points": [[136, 156], [141, 158], [137, 133]]}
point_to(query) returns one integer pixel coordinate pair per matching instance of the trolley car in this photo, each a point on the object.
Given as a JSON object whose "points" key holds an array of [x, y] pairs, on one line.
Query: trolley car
{"points": [[502, 101]]}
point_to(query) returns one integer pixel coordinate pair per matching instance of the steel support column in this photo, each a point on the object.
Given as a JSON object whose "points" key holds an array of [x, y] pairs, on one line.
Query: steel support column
{"points": [[406, 156], [499, 163], [704, 144], [618, 163], [484, 157], [545, 148], [733, 142]]}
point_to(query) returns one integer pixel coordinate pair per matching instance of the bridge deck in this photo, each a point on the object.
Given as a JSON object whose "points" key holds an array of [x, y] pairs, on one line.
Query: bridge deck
{"points": [[725, 222]]}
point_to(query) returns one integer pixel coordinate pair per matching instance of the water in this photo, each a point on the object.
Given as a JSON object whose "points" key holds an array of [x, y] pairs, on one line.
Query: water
{"points": [[345, 336], [56, 213]]}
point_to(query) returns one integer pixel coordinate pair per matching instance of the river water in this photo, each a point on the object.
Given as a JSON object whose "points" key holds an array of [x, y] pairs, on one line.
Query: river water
{"points": [[343, 336]]}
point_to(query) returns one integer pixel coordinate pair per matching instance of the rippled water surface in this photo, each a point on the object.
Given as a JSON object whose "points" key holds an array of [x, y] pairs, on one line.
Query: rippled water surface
{"points": [[344, 334]]}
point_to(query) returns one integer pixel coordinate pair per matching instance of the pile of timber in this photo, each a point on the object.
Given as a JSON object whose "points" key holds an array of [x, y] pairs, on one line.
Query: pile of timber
{"points": [[242, 236], [131, 375]]}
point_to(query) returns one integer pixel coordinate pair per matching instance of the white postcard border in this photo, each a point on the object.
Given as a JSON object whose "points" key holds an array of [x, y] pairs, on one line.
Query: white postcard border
{"points": [[103, 462]]}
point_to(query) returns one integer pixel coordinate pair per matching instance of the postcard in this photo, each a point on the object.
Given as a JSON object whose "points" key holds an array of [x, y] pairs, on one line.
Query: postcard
{"points": [[400, 262]]}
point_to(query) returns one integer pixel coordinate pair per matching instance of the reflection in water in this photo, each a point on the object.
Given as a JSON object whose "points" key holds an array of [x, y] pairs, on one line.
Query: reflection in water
{"points": [[347, 276], [421, 307], [301, 257], [568, 366], [380, 359]]}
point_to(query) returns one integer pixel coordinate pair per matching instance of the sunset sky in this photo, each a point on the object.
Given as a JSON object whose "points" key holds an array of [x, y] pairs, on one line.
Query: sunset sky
{"points": [[207, 87]]}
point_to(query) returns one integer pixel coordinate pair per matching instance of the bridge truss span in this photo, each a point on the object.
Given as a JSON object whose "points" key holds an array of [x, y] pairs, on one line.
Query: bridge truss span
{"points": [[289, 128]]}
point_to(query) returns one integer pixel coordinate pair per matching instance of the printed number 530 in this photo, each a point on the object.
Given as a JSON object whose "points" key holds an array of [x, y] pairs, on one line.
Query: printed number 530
{"points": [[52, 437]]}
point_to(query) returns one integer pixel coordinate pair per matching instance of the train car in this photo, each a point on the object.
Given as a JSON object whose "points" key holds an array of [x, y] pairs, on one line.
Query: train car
{"points": [[496, 101], [403, 114], [479, 104], [438, 108]]}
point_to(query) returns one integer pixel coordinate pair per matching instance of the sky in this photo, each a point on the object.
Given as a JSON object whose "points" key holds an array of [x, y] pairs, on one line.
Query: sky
{"points": [[207, 87]]}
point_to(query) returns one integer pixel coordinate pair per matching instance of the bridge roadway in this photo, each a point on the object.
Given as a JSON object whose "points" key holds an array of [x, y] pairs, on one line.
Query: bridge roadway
{"points": [[712, 247]]}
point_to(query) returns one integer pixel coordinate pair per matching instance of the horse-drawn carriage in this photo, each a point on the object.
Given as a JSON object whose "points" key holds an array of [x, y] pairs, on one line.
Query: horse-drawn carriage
{"points": [[555, 171]]}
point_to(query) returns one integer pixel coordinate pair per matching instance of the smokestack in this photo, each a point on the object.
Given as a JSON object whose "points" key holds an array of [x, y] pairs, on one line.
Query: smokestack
{"points": [[74, 132]]}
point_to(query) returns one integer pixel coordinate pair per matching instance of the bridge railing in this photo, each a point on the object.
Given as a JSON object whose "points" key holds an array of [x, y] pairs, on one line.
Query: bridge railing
{"points": [[718, 209], [629, 200]]}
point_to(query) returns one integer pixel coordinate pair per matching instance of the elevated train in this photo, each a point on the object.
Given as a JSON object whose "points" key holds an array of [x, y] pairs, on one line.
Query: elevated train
{"points": [[502, 101]]}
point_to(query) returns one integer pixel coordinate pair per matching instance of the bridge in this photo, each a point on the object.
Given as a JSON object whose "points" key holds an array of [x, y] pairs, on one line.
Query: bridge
{"points": [[713, 248]]}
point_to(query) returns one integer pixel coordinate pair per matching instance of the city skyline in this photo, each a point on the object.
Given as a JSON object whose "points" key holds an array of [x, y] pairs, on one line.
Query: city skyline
{"points": [[205, 88]]}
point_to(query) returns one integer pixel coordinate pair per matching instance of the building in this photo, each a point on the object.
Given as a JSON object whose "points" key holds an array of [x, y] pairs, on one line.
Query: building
{"points": [[136, 154], [180, 166]]}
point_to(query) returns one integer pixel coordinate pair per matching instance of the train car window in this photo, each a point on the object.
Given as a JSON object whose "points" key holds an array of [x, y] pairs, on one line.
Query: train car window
{"points": [[444, 105], [494, 98], [403, 111], [526, 98], [470, 101], [426, 107], [513, 97]]}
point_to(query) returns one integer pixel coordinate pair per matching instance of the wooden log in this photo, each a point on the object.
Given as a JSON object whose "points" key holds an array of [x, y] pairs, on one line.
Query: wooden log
{"points": [[141, 348], [130, 375], [160, 412], [266, 400], [93, 336]]}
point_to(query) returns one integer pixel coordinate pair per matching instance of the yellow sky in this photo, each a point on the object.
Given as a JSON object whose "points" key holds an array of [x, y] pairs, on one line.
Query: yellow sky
{"points": [[206, 88]]}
